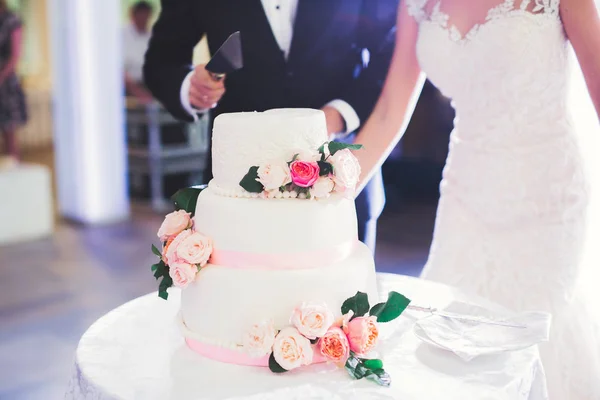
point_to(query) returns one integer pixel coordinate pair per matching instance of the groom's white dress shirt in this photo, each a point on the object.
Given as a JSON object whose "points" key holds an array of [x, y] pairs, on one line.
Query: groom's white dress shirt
{"points": [[281, 15]]}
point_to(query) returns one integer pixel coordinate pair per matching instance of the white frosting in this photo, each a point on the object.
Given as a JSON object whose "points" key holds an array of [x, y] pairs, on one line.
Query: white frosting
{"points": [[275, 226], [224, 302], [246, 139]]}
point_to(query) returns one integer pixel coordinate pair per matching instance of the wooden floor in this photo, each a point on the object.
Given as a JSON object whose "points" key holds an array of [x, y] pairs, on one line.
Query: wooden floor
{"points": [[52, 290]]}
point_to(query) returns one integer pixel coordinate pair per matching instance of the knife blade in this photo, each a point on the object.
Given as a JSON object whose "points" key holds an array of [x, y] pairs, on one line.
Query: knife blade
{"points": [[461, 317], [227, 58]]}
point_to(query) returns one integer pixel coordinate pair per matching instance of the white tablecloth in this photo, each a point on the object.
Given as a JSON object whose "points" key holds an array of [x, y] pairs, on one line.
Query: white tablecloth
{"points": [[136, 352]]}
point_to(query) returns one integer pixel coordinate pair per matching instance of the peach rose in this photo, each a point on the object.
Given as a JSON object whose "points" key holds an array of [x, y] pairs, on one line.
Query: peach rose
{"points": [[346, 169], [304, 174], [312, 320], [182, 274], [322, 187], [259, 339], [292, 350], [171, 251], [274, 175], [362, 334], [165, 249], [173, 225], [195, 249], [334, 345]]}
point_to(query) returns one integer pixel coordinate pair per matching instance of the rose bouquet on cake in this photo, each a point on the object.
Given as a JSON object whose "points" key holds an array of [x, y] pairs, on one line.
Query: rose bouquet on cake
{"points": [[184, 250], [314, 335], [308, 174]]}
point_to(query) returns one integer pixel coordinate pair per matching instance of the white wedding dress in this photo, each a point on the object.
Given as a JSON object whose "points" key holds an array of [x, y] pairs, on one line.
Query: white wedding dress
{"points": [[511, 220]]}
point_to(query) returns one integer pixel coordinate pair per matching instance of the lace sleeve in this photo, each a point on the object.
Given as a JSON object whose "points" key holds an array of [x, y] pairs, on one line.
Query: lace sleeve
{"points": [[416, 9]]}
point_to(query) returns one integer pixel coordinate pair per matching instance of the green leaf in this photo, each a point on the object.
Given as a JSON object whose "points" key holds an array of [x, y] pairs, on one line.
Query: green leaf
{"points": [[274, 366], [156, 251], [163, 295], [359, 303], [324, 168], [372, 364], [334, 147], [160, 270], [391, 309], [166, 283], [250, 183], [314, 341], [380, 377], [185, 199], [352, 363]]}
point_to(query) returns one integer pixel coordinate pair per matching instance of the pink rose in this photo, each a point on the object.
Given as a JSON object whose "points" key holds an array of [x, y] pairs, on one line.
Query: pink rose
{"points": [[195, 249], [173, 225], [171, 255], [182, 274], [259, 339], [334, 345], [292, 350], [346, 169], [274, 175], [362, 334], [312, 320], [304, 174], [322, 187]]}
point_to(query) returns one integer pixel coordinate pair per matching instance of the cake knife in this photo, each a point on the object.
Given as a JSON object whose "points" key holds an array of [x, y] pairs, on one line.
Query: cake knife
{"points": [[470, 318], [227, 58]]}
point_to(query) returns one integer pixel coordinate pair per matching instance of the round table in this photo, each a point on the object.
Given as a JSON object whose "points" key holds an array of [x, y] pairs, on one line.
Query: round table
{"points": [[137, 352]]}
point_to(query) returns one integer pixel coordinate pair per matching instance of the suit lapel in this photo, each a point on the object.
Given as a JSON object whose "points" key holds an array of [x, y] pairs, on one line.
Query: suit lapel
{"points": [[313, 18], [257, 11]]}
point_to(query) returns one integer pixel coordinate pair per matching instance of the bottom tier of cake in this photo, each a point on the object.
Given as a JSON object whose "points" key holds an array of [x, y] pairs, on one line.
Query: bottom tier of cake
{"points": [[223, 302]]}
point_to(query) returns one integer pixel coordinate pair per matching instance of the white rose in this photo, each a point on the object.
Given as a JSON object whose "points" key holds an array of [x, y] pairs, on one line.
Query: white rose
{"points": [[195, 249], [274, 175], [173, 225], [312, 320], [346, 169], [322, 187], [292, 350], [258, 340], [309, 156], [182, 274]]}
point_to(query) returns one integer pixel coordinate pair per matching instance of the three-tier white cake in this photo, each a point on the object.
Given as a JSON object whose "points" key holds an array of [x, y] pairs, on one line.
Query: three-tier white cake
{"points": [[271, 249]]}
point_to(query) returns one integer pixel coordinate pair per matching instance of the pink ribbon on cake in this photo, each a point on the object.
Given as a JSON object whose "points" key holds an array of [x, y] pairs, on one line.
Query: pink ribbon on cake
{"points": [[310, 259], [231, 356]]}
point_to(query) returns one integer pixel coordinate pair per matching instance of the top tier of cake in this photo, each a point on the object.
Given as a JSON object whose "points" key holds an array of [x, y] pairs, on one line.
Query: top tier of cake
{"points": [[242, 140]]}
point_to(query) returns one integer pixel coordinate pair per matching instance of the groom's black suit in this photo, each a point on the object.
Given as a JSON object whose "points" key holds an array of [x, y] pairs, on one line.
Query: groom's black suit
{"points": [[326, 61]]}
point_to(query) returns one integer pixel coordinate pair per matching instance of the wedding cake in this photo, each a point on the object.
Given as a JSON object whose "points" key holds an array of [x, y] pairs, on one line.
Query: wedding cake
{"points": [[269, 262]]}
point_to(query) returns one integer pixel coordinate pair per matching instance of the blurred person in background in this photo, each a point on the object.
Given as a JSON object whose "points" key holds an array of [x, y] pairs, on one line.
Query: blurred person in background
{"points": [[13, 108], [136, 36], [324, 54]]}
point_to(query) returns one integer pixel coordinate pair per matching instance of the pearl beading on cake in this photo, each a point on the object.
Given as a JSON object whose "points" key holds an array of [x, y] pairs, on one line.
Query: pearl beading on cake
{"points": [[241, 193]]}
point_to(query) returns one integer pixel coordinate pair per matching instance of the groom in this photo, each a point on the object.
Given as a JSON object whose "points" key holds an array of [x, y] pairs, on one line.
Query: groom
{"points": [[326, 54]]}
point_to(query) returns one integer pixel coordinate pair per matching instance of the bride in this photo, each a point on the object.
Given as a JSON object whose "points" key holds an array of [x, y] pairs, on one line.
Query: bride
{"points": [[514, 197]]}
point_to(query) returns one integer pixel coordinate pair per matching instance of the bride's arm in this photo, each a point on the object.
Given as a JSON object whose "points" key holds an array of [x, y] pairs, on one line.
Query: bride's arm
{"points": [[582, 25], [385, 126]]}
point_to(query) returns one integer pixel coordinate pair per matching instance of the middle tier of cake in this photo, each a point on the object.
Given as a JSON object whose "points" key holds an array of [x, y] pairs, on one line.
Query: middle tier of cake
{"points": [[277, 233], [224, 302]]}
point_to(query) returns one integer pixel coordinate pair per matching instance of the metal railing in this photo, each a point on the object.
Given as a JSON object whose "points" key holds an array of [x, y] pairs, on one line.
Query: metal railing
{"points": [[159, 146]]}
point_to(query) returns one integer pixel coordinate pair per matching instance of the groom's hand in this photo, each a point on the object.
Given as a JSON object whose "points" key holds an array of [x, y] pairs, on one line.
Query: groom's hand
{"points": [[205, 92], [335, 121]]}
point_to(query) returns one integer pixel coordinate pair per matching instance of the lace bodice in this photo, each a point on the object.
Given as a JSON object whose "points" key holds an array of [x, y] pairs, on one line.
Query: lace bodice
{"points": [[508, 81], [514, 62]]}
